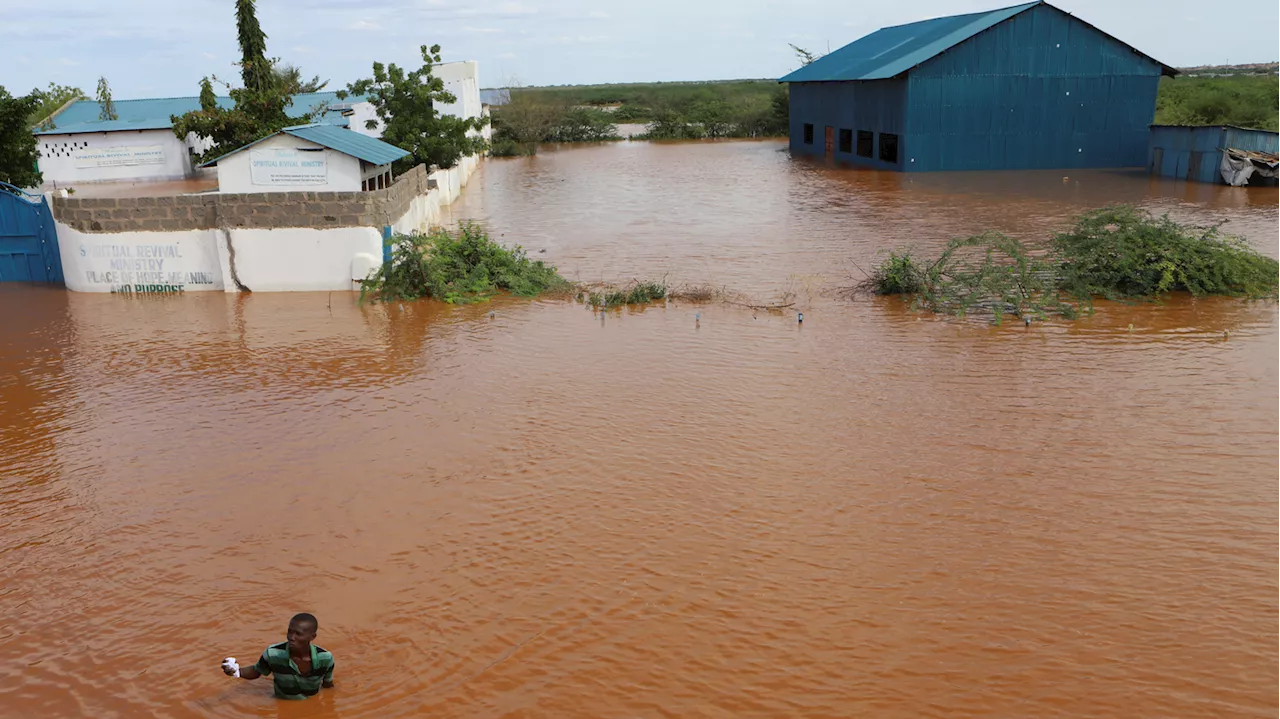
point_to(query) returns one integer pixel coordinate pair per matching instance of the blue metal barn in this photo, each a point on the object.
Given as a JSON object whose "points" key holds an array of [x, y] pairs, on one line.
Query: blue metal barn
{"points": [[1023, 87]]}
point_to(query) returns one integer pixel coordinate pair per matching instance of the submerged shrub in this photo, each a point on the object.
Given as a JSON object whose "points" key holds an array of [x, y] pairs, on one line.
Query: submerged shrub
{"points": [[1122, 252], [636, 293], [458, 267], [898, 274], [1117, 252]]}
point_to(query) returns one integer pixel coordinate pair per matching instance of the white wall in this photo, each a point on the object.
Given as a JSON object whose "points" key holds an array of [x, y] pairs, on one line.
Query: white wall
{"points": [[462, 79], [59, 161], [280, 260], [234, 175], [424, 210], [156, 261], [300, 259], [276, 260], [362, 112]]}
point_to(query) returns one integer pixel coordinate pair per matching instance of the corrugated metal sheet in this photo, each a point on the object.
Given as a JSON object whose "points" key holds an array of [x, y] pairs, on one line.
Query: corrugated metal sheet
{"points": [[369, 149], [1038, 89], [154, 113], [1041, 90], [877, 107], [1195, 152], [890, 51], [348, 142], [495, 98], [893, 50]]}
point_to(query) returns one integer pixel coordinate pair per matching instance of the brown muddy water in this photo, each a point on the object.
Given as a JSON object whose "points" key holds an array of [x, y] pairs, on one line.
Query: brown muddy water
{"points": [[544, 513]]}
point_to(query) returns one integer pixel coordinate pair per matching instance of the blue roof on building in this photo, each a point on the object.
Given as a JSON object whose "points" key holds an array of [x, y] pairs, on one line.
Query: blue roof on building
{"points": [[348, 142], [154, 113], [891, 51], [495, 97]]}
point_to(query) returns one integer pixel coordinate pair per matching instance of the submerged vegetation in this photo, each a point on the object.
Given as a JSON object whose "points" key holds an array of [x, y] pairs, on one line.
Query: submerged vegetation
{"points": [[1117, 252], [459, 268]]}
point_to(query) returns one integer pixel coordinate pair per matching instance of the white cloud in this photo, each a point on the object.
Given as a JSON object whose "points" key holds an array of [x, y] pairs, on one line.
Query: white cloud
{"points": [[67, 62], [302, 49], [365, 25], [507, 56], [485, 30], [208, 56], [598, 15]]}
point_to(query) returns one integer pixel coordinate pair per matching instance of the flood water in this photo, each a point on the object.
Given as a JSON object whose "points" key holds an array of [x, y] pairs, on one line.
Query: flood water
{"points": [[680, 511]]}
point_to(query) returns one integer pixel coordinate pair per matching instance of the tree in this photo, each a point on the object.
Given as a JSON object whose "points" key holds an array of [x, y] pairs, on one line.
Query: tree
{"points": [[290, 76], [261, 105], [108, 111], [18, 153], [405, 103], [805, 57], [208, 100], [51, 100]]}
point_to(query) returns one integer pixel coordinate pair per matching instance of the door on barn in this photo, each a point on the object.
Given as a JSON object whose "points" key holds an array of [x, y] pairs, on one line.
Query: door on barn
{"points": [[830, 139], [28, 240]]}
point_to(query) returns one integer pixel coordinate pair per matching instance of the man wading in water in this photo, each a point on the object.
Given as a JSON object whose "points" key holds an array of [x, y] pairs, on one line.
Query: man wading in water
{"points": [[300, 667]]}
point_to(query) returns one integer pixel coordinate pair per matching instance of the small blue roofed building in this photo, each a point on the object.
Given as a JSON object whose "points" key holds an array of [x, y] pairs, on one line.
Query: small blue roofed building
{"points": [[78, 145], [315, 157], [1022, 87]]}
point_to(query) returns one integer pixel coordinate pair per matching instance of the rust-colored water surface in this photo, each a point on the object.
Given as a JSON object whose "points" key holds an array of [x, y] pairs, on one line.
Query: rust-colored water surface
{"points": [[544, 513]]}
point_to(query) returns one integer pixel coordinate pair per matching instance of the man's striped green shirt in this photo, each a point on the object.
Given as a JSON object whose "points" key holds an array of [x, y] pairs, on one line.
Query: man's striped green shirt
{"points": [[289, 682]]}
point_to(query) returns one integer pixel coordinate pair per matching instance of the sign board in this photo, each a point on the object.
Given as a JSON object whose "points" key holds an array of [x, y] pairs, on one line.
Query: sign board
{"points": [[288, 166], [119, 156]]}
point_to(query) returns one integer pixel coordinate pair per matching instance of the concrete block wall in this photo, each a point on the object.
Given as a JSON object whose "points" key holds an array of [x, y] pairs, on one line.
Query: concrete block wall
{"points": [[266, 210], [272, 242]]}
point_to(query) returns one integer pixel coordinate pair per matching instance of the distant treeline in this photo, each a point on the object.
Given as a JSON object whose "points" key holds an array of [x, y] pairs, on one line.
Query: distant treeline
{"points": [[1243, 100], [758, 108], [670, 111]]}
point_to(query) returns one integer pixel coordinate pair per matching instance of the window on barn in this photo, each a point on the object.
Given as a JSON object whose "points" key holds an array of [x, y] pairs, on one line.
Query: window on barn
{"points": [[808, 133], [846, 140], [888, 147], [866, 143]]}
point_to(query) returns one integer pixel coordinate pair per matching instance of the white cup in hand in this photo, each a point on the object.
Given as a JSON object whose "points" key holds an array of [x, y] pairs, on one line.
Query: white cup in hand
{"points": [[230, 667]]}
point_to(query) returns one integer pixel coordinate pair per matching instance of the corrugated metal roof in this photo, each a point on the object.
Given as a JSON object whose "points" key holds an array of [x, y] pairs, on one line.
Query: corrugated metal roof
{"points": [[348, 142], [154, 113], [370, 149], [496, 97], [891, 51]]}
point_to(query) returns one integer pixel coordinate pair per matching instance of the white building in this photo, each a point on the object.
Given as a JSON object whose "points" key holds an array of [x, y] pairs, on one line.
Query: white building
{"points": [[317, 157], [139, 145], [77, 146]]}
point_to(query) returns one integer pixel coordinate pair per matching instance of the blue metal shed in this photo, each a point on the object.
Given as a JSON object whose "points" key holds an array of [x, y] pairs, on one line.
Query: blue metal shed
{"points": [[1023, 87], [1195, 152]]}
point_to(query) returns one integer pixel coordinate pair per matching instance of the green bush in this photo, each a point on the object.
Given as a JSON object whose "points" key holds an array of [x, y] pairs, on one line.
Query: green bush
{"points": [[458, 267], [503, 146], [1117, 252], [1244, 100], [1120, 252], [898, 274]]}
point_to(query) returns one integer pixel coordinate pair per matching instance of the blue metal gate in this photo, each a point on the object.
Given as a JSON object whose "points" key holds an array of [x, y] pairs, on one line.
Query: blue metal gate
{"points": [[28, 239]]}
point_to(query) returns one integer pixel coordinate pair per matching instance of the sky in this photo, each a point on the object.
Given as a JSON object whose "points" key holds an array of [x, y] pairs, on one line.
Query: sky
{"points": [[161, 48]]}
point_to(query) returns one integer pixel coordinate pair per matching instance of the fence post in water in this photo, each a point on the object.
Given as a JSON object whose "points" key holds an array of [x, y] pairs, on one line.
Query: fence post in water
{"points": [[386, 244]]}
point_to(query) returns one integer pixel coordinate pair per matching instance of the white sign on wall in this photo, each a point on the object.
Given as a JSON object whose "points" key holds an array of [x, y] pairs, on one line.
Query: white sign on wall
{"points": [[133, 266], [119, 156], [288, 166]]}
